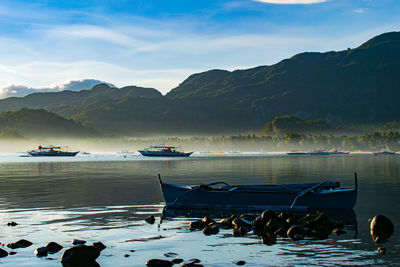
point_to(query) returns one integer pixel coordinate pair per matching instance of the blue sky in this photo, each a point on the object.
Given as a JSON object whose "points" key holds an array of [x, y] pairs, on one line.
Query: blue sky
{"points": [[160, 43]]}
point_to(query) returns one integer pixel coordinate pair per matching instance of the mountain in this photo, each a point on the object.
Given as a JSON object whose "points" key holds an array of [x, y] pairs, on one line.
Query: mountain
{"points": [[70, 101], [22, 90], [40, 123], [353, 86]]}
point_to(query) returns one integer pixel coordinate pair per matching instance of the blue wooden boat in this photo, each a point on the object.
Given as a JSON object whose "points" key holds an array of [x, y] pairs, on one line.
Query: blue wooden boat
{"points": [[325, 195], [52, 151], [164, 151]]}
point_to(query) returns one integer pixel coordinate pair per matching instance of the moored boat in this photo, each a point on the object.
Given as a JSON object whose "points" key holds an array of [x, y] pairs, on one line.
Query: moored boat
{"points": [[338, 152], [319, 152], [52, 151], [384, 152], [164, 151], [297, 152], [324, 195]]}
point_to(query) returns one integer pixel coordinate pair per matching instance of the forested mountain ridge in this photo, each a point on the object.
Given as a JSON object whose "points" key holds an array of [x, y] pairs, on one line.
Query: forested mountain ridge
{"points": [[353, 86]]}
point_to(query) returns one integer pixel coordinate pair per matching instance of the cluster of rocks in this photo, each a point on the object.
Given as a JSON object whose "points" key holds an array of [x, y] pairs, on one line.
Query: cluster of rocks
{"points": [[271, 224], [78, 254], [169, 263]]}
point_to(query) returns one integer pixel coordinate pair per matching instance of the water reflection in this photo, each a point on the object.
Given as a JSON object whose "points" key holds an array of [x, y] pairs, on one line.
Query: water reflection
{"points": [[108, 200]]}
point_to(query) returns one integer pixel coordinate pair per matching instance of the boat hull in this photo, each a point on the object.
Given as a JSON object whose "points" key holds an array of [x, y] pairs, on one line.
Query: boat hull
{"points": [[384, 153], [164, 154], [52, 154], [197, 196]]}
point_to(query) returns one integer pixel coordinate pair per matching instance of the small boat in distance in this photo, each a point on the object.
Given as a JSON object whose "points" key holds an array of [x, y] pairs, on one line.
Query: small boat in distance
{"points": [[52, 151], [337, 152], [384, 152], [164, 151], [297, 152], [319, 152], [324, 195]]}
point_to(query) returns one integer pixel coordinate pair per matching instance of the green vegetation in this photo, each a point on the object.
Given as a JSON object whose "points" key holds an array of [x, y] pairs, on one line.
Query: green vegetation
{"points": [[39, 123], [342, 89]]}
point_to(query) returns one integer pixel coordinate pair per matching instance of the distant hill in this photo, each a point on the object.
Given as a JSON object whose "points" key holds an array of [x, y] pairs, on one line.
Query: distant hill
{"points": [[353, 86], [40, 123], [22, 90], [291, 124]]}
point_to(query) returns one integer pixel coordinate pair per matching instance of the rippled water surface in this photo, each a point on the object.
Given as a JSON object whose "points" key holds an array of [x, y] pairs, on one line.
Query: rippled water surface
{"points": [[105, 197]]}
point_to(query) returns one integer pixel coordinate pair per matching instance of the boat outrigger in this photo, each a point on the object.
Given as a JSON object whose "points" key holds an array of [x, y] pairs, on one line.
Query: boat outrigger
{"points": [[52, 151], [164, 151], [324, 195]]}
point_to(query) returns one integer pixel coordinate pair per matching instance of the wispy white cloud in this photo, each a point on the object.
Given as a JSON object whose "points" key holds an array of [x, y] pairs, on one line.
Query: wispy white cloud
{"points": [[360, 10], [291, 1], [42, 73]]}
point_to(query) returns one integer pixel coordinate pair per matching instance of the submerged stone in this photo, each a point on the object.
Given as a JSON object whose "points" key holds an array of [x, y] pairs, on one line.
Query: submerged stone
{"points": [[268, 215], [296, 232], [23, 243], [177, 261], [170, 254], [3, 253], [100, 246], [382, 250], [381, 228], [150, 219], [268, 239], [53, 247], [80, 254], [78, 242], [197, 225], [158, 263], [211, 230], [338, 231], [41, 252]]}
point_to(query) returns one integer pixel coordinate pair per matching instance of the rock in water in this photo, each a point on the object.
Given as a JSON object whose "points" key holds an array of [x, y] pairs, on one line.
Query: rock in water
{"points": [[41, 252], [177, 261], [100, 246], [53, 247], [382, 250], [211, 230], [158, 263], [197, 225], [240, 263], [240, 222], [3, 253], [78, 242], [268, 238], [338, 231], [268, 215], [258, 227], [23, 243], [296, 232], [150, 219], [80, 254], [381, 228]]}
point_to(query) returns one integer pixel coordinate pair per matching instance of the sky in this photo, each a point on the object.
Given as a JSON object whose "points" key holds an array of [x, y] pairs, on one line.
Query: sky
{"points": [[159, 43]]}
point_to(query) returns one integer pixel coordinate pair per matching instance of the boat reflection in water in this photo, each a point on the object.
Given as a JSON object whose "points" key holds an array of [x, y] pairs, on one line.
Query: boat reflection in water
{"points": [[346, 216]]}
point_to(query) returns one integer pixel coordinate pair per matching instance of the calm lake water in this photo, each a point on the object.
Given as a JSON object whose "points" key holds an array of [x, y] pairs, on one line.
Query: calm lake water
{"points": [[105, 197]]}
